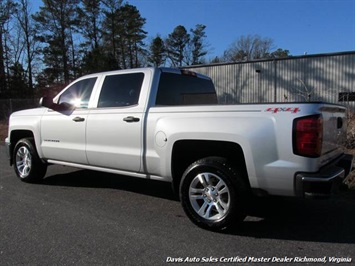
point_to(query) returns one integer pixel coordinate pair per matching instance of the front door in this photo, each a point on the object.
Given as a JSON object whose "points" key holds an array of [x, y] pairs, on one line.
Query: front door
{"points": [[63, 134]]}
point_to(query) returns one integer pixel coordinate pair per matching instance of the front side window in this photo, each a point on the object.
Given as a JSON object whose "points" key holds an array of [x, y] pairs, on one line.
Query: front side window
{"points": [[79, 93], [121, 90]]}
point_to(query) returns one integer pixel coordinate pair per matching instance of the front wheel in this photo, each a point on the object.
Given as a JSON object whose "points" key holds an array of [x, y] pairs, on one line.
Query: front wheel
{"points": [[28, 166], [212, 194]]}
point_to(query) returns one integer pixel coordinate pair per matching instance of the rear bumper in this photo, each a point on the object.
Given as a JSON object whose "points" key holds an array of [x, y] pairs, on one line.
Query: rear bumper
{"points": [[326, 181]]}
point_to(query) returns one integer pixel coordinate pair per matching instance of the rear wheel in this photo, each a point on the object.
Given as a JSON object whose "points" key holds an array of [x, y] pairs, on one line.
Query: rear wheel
{"points": [[213, 194], [27, 164]]}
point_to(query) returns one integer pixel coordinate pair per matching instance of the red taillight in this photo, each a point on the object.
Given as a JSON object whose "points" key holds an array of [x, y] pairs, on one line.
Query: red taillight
{"points": [[307, 136]]}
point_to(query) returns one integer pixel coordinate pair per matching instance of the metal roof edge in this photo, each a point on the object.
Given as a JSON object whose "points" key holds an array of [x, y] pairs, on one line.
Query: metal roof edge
{"points": [[272, 59]]}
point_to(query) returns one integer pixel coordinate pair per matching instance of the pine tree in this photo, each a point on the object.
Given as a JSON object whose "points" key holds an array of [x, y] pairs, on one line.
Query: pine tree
{"points": [[157, 52], [18, 86], [131, 31], [176, 45], [90, 17], [56, 23], [110, 31], [198, 45], [90, 22], [123, 34]]}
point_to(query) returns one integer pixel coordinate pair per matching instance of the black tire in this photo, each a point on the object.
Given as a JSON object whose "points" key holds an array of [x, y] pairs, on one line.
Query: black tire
{"points": [[27, 164], [213, 194]]}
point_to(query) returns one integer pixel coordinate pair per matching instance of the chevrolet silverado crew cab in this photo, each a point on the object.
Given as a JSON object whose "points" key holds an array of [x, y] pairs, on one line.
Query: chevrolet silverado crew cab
{"points": [[165, 124]]}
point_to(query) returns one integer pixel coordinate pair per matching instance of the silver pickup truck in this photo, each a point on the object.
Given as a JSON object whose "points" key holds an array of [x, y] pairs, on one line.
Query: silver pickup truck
{"points": [[165, 124]]}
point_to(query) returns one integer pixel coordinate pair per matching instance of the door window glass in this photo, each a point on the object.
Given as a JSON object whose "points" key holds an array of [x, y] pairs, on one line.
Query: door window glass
{"points": [[121, 90], [177, 89], [79, 93]]}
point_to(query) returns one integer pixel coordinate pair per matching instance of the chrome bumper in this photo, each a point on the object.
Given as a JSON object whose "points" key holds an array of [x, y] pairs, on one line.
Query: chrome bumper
{"points": [[326, 181]]}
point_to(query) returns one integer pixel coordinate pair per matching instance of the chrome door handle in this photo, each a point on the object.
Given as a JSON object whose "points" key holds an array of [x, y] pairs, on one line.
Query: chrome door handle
{"points": [[78, 119], [130, 119]]}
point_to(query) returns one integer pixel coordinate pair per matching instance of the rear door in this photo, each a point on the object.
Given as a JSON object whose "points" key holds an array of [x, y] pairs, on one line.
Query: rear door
{"points": [[115, 127]]}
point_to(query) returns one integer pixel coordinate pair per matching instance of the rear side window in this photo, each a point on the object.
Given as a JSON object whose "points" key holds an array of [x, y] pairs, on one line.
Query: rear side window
{"points": [[121, 90], [175, 89], [79, 93]]}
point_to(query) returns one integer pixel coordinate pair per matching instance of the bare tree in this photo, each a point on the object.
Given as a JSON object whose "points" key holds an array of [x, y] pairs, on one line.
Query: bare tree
{"points": [[249, 47], [26, 23], [6, 8]]}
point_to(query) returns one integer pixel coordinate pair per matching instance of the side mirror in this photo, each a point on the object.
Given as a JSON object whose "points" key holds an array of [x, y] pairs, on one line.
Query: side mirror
{"points": [[63, 108], [46, 102]]}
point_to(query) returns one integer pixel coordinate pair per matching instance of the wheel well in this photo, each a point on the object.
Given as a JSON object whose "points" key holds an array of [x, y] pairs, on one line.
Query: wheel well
{"points": [[185, 152], [15, 136]]}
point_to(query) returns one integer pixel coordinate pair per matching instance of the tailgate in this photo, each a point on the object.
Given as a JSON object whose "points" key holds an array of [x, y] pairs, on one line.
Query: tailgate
{"points": [[334, 132]]}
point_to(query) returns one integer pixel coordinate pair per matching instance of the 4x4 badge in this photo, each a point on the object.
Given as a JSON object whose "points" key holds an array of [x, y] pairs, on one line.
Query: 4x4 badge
{"points": [[283, 109]]}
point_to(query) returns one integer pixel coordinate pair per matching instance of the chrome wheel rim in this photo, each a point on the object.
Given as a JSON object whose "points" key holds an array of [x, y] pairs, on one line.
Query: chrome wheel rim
{"points": [[23, 161], [209, 196]]}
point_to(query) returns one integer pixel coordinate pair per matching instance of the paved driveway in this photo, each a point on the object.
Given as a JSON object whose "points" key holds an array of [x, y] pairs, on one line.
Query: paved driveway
{"points": [[80, 217]]}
